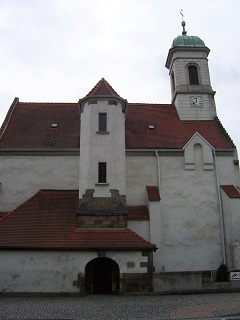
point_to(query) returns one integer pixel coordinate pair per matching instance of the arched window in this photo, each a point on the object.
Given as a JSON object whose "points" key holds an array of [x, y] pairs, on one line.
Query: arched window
{"points": [[193, 75]]}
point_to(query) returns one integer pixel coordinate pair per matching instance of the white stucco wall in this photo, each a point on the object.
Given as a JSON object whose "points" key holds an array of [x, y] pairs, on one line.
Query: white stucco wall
{"points": [[106, 147], [231, 217], [191, 230], [22, 176], [228, 172], [54, 271], [140, 227], [141, 171], [189, 237]]}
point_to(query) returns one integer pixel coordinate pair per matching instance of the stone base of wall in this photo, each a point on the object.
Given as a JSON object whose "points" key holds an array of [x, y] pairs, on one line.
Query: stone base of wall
{"points": [[188, 282], [135, 282], [174, 282], [102, 203]]}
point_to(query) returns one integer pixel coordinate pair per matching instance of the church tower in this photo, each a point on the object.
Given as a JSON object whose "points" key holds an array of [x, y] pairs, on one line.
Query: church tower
{"points": [[191, 89], [102, 149]]}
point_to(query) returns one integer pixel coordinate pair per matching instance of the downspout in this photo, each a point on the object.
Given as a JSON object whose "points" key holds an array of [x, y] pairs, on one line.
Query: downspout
{"points": [[158, 169], [159, 187], [220, 210]]}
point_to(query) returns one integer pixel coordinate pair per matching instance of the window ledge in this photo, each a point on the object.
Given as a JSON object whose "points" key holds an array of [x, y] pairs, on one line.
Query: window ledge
{"points": [[102, 132], [101, 184]]}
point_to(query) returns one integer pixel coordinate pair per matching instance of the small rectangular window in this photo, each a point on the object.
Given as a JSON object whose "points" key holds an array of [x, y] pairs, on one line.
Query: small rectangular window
{"points": [[102, 122], [102, 172]]}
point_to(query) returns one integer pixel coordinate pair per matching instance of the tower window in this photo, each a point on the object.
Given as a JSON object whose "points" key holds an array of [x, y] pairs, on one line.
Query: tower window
{"points": [[102, 172], [172, 82], [102, 122], [193, 75]]}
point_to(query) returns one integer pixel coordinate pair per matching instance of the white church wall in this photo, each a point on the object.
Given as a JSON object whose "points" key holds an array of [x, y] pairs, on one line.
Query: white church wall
{"points": [[228, 228], [141, 228], [22, 176], [123, 258], [56, 271], [106, 147], [191, 230], [190, 237], [141, 171], [231, 216], [228, 172], [156, 232], [42, 271]]}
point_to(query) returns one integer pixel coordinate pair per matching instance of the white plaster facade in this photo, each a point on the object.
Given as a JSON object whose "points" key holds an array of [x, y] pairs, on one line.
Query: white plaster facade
{"points": [[55, 271], [21, 176]]}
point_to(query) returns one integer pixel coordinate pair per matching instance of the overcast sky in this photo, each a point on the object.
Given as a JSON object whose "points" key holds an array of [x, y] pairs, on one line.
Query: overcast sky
{"points": [[57, 50]]}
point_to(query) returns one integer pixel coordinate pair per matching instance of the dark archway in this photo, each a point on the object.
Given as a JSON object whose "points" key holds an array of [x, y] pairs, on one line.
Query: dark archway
{"points": [[102, 276]]}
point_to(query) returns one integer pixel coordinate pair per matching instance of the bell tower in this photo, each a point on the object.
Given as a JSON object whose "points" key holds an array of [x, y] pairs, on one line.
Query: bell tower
{"points": [[191, 89]]}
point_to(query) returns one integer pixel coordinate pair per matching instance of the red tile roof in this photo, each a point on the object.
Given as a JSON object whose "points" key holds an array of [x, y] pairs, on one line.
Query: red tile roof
{"points": [[138, 213], [231, 191], [102, 88], [48, 221], [28, 125], [169, 131], [153, 193], [3, 214]]}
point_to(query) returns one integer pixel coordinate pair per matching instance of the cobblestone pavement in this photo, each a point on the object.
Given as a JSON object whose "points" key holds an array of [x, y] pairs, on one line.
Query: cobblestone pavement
{"points": [[198, 306]]}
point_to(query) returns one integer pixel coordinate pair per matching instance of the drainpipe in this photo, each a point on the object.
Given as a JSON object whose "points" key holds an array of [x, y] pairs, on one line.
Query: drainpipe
{"points": [[220, 209], [159, 187], [158, 168]]}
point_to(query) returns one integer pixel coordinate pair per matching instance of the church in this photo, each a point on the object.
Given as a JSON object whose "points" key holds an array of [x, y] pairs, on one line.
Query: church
{"points": [[108, 196]]}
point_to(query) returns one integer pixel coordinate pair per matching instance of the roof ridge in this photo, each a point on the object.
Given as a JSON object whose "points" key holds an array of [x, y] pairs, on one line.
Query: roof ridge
{"points": [[224, 131], [8, 116], [101, 88], [152, 103]]}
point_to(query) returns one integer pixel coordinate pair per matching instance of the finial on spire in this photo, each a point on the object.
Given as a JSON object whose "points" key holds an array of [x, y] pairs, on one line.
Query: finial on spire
{"points": [[184, 32]]}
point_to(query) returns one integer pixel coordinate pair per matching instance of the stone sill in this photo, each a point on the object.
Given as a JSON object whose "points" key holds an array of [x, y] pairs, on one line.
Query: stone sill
{"points": [[102, 184], [102, 132]]}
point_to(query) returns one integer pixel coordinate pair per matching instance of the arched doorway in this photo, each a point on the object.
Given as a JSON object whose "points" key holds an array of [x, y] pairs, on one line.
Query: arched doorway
{"points": [[102, 276]]}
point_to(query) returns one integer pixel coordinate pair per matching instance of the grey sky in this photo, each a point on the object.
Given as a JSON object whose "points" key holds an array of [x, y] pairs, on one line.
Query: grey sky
{"points": [[57, 50]]}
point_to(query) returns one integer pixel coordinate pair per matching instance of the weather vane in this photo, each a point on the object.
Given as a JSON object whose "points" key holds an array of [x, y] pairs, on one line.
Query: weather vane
{"points": [[184, 32], [181, 13]]}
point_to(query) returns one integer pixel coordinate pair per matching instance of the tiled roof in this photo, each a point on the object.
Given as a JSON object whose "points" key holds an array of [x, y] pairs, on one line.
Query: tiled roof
{"points": [[138, 213], [48, 221], [30, 126], [231, 191], [153, 193], [3, 214], [102, 88], [169, 131]]}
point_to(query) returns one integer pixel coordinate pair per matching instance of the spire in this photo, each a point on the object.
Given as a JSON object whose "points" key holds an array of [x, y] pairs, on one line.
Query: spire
{"points": [[102, 88], [184, 32]]}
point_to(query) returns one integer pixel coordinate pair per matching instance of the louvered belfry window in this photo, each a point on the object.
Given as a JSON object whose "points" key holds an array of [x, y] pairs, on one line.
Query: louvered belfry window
{"points": [[193, 75]]}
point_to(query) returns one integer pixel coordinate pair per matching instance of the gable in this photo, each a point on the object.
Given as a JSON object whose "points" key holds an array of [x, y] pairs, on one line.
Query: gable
{"points": [[190, 152]]}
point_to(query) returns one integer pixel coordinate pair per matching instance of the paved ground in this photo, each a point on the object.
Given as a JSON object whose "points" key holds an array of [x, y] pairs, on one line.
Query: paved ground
{"points": [[198, 306]]}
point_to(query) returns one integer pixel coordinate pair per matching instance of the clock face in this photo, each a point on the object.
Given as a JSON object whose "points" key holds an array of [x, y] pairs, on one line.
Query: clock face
{"points": [[196, 101]]}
